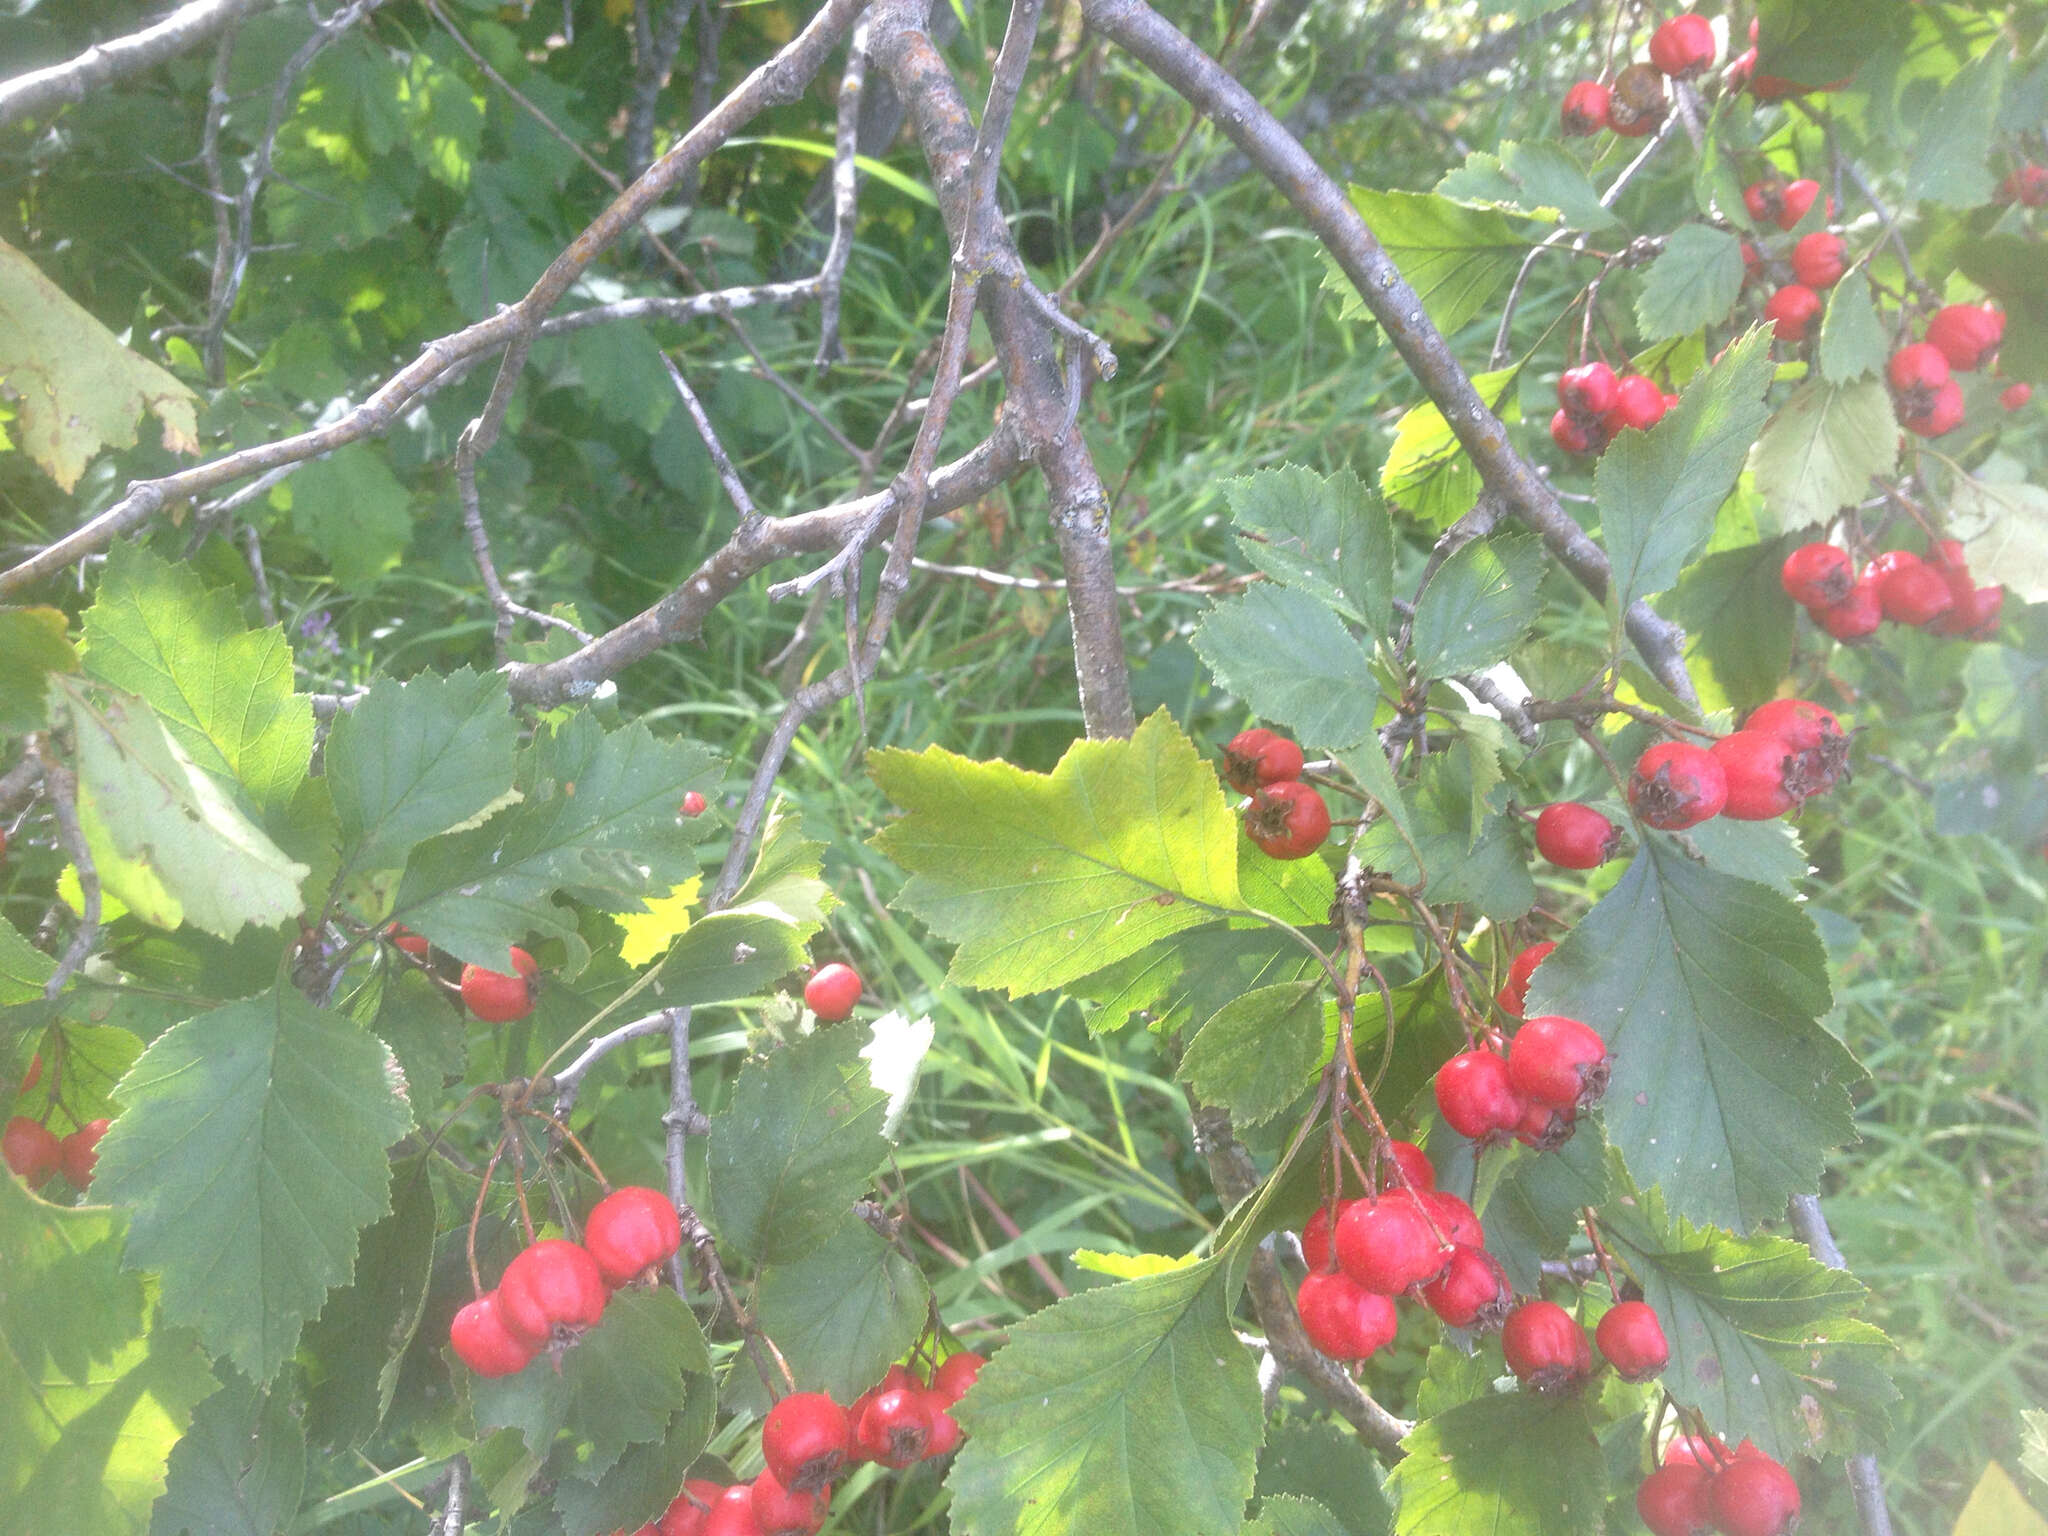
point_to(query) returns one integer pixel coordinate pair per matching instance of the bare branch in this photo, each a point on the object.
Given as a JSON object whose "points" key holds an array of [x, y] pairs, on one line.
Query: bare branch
{"points": [[654, 54], [40, 91], [62, 785], [729, 477], [845, 198], [1866, 1486]]}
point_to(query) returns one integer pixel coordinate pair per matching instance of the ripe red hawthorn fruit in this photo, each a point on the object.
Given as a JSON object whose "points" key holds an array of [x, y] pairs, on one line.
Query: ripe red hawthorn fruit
{"points": [[1944, 413], [781, 1511], [552, 1284], [482, 1342], [1456, 1220], [1472, 1292], [1709, 1454], [1855, 616], [1574, 435], [1589, 390], [1386, 1244], [31, 1150], [80, 1151], [1513, 996], [1342, 1318], [1966, 334], [1633, 1341], [1259, 756], [895, 1428], [1476, 1099], [1815, 575], [1814, 735], [1559, 1062], [405, 939], [2015, 396], [1574, 836], [1677, 785], [1761, 771], [1741, 69], [805, 1440], [733, 1513], [1797, 197], [690, 1511], [2027, 186], [1909, 591], [1792, 311], [1416, 1170], [693, 803], [1545, 1127], [832, 991], [499, 998], [1753, 1496], [1916, 373], [1546, 1347], [1684, 46], [946, 1432], [1672, 1501], [1636, 105], [1288, 820], [955, 1374], [1318, 1236], [1764, 200], [1585, 109], [1638, 403], [628, 1230], [1818, 259]]}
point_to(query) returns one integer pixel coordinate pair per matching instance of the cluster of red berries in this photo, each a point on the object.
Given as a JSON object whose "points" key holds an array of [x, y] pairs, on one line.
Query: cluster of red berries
{"points": [[1786, 752], [1961, 338], [1936, 593], [33, 1151], [1683, 48], [2027, 185], [555, 1289], [1595, 404], [1703, 1486], [1285, 817], [1552, 1068], [1547, 1348], [1817, 259]]}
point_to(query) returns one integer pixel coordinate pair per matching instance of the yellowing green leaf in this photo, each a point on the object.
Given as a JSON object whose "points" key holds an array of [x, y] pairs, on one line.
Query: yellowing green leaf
{"points": [[649, 934], [1998, 1508]]}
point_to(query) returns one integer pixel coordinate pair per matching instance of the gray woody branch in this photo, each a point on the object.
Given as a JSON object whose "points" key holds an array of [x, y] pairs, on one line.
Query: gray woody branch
{"points": [[41, 91]]}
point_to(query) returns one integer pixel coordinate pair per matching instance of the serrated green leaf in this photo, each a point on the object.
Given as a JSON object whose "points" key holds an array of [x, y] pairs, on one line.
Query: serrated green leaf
{"points": [[841, 1312], [1456, 258], [1287, 1515], [1820, 450], [1767, 852], [1532, 1211], [1952, 141], [1694, 282], [414, 1017], [34, 642], [1478, 605], [354, 511], [1541, 179], [1329, 536], [251, 1154], [800, 1143], [644, 1480], [1659, 490], [1257, 1054], [1454, 859], [1180, 982], [1738, 619], [1324, 1461], [2005, 530], [1041, 879], [240, 1469], [1292, 660], [23, 967], [1852, 342], [1706, 987], [1128, 1410], [1817, 41], [1509, 1464]]}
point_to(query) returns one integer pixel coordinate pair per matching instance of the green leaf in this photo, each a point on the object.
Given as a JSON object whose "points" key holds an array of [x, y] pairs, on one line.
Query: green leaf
{"points": [[643, 1481], [2005, 529], [251, 1154], [1129, 1410], [34, 642], [1952, 141], [23, 967], [1767, 852], [1532, 1212], [1738, 621], [1817, 41], [1331, 537], [1694, 282], [2015, 272], [1478, 605], [800, 1143], [239, 1471], [841, 1312], [1706, 988], [1182, 981], [160, 819], [1258, 1053], [353, 510], [223, 691], [1659, 490], [1541, 179], [1820, 450], [1292, 660], [1456, 258], [1511, 1464], [413, 759], [1852, 341], [1998, 1508], [1455, 859], [743, 949], [94, 1388], [1285, 1515], [1324, 1461], [1427, 471], [1042, 878]]}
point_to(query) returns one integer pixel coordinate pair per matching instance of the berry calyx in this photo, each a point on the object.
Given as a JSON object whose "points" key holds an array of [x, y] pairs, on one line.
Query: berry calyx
{"points": [[78, 1152], [1818, 260], [1585, 109], [1856, 615], [1814, 736], [895, 1428], [1672, 1501], [483, 1342], [1753, 1496], [1545, 1127], [1966, 334], [1288, 820], [782, 1511], [1571, 434], [1637, 103], [1797, 197], [693, 803], [554, 1284], [832, 991], [1472, 1292], [806, 1439], [31, 1150], [1943, 413], [1633, 1341], [1559, 1062], [2015, 396], [1764, 200], [1574, 836], [1677, 785], [1684, 46], [1259, 756], [1758, 767], [1513, 996], [1546, 1347], [499, 998], [1638, 403], [1792, 311], [1815, 575], [1342, 1318], [1589, 390], [1476, 1099], [955, 1374], [630, 1229], [1386, 1244]]}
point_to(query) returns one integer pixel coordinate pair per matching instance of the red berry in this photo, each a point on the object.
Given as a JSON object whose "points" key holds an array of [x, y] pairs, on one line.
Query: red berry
{"points": [[1752, 262], [1966, 334], [1673, 1502], [1258, 756], [1513, 996], [1815, 575], [552, 1284], [1944, 413], [1288, 820], [405, 939], [2027, 186], [1574, 836], [1677, 785], [1386, 1245], [1571, 434], [1913, 593], [1455, 1220], [1765, 200], [629, 1229], [1559, 1062], [1856, 615], [34, 1074], [1817, 260], [1707, 1454], [2015, 396], [733, 1513], [1741, 69], [832, 991], [1342, 1318], [895, 1428], [1976, 610], [1475, 1098], [79, 1151], [1684, 46], [1414, 1164], [1754, 1496], [693, 803], [946, 1435], [31, 1149], [1759, 768], [1792, 311], [1915, 372], [1638, 403], [1318, 1235], [1473, 1292], [1585, 108], [498, 998], [955, 1374], [690, 1511], [1588, 390], [1545, 1127], [1819, 749], [482, 1341], [1546, 1347], [805, 1439], [781, 1511], [1633, 1341], [1797, 197]]}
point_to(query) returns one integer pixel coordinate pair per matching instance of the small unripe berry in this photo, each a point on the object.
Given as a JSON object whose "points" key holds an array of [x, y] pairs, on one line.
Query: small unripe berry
{"points": [[1815, 575], [1683, 47], [1585, 109], [1546, 1347], [1574, 836], [1677, 785], [1475, 1098], [1559, 1062], [1818, 259], [1966, 334], [1342, 1318], [1633, 1341], [832, 991], [1792, 311]]}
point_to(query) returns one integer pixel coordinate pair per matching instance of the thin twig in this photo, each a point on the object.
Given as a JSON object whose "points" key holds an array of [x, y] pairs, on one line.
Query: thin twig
{"points": [[62, 786], [735, 488], [1866, 1484], [40, 91], [845, 199]]}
